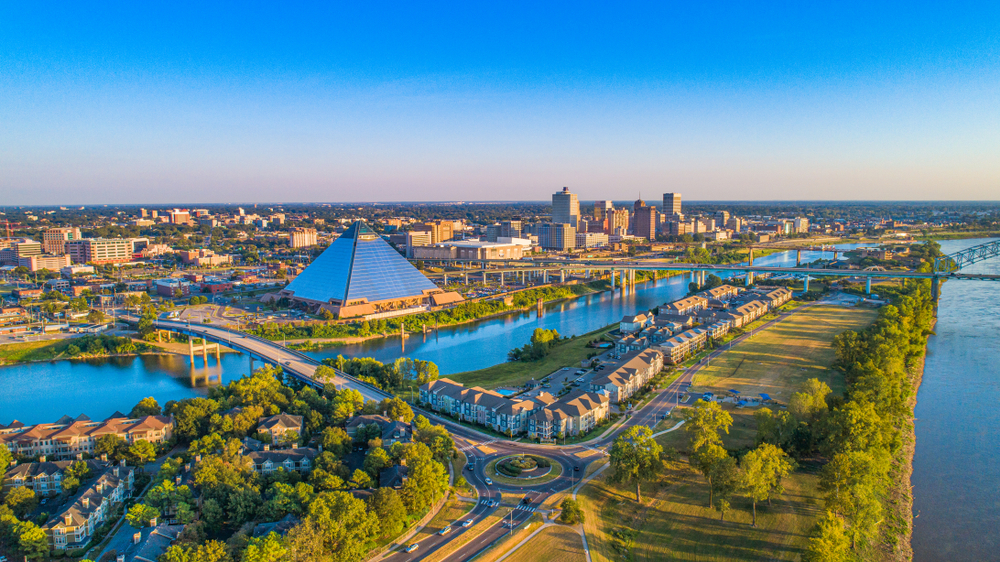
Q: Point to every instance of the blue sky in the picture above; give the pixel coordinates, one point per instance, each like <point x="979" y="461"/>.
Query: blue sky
<point x="147" y="102"/>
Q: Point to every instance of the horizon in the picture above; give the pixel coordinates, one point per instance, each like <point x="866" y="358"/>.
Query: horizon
<point x="147" y="104"/>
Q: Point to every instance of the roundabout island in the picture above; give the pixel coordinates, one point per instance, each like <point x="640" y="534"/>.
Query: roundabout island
<point x="524" y="469"/>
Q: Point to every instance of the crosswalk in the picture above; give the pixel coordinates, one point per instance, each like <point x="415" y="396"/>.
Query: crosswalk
<point x="525" y="508"/>
<point x="471" y="445"/>
<point x="596" y="450"/>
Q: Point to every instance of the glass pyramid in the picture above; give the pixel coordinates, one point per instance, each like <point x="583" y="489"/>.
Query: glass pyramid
<point x="359" y="265"/>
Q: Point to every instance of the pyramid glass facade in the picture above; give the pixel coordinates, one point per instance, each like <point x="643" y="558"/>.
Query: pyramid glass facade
<point x="359" y="265"/>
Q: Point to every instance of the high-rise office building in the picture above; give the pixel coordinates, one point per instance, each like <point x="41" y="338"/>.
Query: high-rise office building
<point x="511" y="229"/>
<point x="721" y="218"/>
<point x="601" y="209"/>
<point x="440" y="230"/>
<point x="556" y="236"/>
<point x="671" y="203"/>
<point x="302" y="237"/>
<point x="618" y="222"/>
<point x="565" y="208"/>
<point x="645" y="222"/>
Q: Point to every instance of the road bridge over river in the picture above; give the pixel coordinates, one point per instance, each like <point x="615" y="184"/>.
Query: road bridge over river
<point x="296" y="364"/>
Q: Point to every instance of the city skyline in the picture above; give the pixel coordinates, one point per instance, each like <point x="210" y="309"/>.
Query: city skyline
<point x="123" y="104"/>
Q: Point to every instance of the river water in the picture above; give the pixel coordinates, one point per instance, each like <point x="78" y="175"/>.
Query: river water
<point x="957" y="461"/>
<point x="956" y="468"/>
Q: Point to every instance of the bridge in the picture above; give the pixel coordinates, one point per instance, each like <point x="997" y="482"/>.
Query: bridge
<point x="293" y="363"/>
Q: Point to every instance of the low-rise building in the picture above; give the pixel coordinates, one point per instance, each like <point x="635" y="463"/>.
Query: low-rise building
<point x="70" y="438"/>
<point x="298" y="460"/>
<point x="637" y="370"/>
<point x="632" y="324"/>
<point x="574" y="414"/>
<point x="277" y="426"/>
<point x="44" y="477"/>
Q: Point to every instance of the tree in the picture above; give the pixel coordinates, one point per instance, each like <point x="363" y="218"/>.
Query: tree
<point x="376" y="461"/>
<point x="5" y="457"/>
<point x="360" y="480"/>
<point x="337" y="441"/>
<point x="146" y="407"/>
<point x="811" y="402"/>
<point x="828" y="542"/>
<point x="571" y="512"/>
<point x="635" y="457"/>
<point x="705" y="460"/>
<point x="347" y="526"/>
<point x="723" y="506"/>
<point x="32" y="540"/>
<point x="269" y="548"/>
<point x="111" y="445"/>
<point x="141" y="452"/>
<point x="95" y="316"/>
<point x="763" y="469"/>
<point x="396" y="409"/>
<point x="705" y="422"/>
<point x="21" y="501"/>
<point x="388" y="507"/>
<point x="774" y="428"/>
<point x="140" y="515"/>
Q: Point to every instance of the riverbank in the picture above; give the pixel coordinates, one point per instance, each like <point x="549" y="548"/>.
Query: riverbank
<point x="62" y="349"/>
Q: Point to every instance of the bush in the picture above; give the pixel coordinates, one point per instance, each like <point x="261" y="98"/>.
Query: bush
<point x="542" y="462"/>
<point x="571" y="512"/>
<point x="508" y="469"/>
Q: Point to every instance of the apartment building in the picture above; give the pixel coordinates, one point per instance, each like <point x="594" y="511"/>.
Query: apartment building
<point x="302" y="237"/>
<point x="44" y="261"/>
<point x="44" y="477"/>
<point x="54" y="239"/>
<point x="638" y="369"/>
<point x="574" y="414"/>
<point x="73" y="526"/>
<point x="721" y="293"/>
<point x="689" y="305"/>
<point x="70" y="438"/>
<point x="506" y="415"/>
<point x="591" y="239"/>
<point x="687" y="343"/>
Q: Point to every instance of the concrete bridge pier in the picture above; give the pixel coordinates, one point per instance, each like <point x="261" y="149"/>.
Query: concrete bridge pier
<point x="445" y="278"/>
<point x="501" y="279"/>
<point x="562" y="275"/>
<point x="545" y="277"/>
<point x="806" y="286"/>
<point x="466" y="278"/>
<point x="750" y="259"/>
<point x="749" y="278"/>
<point x="798" y="258"/>
<point x="868" y="285"/>
<point x="835" y="253"/>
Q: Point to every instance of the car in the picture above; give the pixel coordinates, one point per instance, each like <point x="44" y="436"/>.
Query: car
<point x="526" y="500"/>
<point x="468" y="466"/>
<point x="467" y="523"/>
<point x="445" y="530"/>
<point x="288" y="362"/>
<point x="576" y="469"/>
<point x="494" y="503"/>
<point x="412" y="547"/>
<point x="489" y="482"/>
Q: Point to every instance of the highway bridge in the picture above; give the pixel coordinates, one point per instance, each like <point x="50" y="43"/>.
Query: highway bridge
<point x="294" y="363"/>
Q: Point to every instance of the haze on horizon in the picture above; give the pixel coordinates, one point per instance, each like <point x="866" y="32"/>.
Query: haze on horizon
<point x="124" y="103"/>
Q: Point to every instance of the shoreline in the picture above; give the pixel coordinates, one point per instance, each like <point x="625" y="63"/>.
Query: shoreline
<point x="161" y="351"/>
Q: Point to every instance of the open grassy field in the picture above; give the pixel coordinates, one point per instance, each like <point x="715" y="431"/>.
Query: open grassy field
<point x="453" y="510"/>
<point x="565" y="354"/>
<point x="674" y="522"/>
<point x="553" y="544"/>
<point x="32" y="351"/>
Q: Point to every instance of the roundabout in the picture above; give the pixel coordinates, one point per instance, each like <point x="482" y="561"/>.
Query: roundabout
<point x="523" y="469"/>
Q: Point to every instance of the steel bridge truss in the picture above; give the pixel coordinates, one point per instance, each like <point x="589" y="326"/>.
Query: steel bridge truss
<point x="968" y="256"/>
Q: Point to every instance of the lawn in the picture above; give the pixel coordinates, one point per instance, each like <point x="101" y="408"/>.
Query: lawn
<point x="32" y="351"/>
<point x="674" y="522"/>
<point x="452" y="511"/>
<point x="565" y="354"/>
<point x="553" y="544"/>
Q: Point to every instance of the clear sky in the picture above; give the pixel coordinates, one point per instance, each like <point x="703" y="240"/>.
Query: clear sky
<point x="173" y="102"/>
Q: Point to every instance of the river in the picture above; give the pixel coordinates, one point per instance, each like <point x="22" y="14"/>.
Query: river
<point x="956" y="467"/>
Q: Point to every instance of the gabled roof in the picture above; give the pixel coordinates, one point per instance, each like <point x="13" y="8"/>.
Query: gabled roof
<point x="359" y="265"/>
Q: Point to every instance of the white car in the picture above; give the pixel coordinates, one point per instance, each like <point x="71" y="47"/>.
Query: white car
<point x="412" y="547"/>
<point x="489" y="482"/>
<point x="467" y="523"/>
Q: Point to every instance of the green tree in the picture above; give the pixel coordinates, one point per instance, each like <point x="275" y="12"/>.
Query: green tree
<point x="21" y="501"/>
<point x="775" y="428"/>
<point x="635" y="458"/>
<point x="389" y="509"/>
<point x="571" y="512"/>
<point x="111" y="445"/>
<point x="141" y="452"/>
<point x="828" y="542"/>
<point x="95" y="316"/>
<point x="336" y="441"/>
<point x="376" y="461"/>
<point x="348" y="528"/>
<point x="396" y="409"/>
<point x="5" y="457"/>
<point x="360" y="480"/>
<point x="269" y="548"/>
<point x="146" y="407"/>
<point x="32" y="540"/>
<point x="809" y="404"/>
<point x="140" y="515"/>
<point x="705" y="422"/>
<point x="705" y="460"/>
<point x="763" y="469"/>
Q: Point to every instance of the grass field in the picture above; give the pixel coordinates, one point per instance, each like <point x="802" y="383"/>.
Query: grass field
<point x="674" y="522"/>
<point x="463" y="539"/>
<point x="510" y="541"/>
<point x="515" y="374"/>
<point x="553" y="544"/>
<point x="32" y="351"/>
<point x="452" y="511"/>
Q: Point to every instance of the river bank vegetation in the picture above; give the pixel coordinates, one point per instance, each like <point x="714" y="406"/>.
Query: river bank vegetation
<point x="84" y="347"/>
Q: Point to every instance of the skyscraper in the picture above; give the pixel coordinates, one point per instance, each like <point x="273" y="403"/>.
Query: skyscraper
<point x="565" y="208"/>
<point x="645" y="222"/>
<point x="671" y="204"/>
<point x="601" y="209"/>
